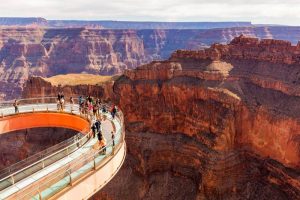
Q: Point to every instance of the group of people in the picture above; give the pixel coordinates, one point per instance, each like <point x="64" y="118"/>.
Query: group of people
<point x="97" y="130"/>
<point x="87" y="106"/>
<point x="91" y="108"/>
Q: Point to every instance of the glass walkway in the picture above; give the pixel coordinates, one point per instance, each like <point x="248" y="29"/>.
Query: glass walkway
<point x="73" y="169"/>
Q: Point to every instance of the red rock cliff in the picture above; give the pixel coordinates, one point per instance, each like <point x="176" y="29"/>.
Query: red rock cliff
<point x="223" y="123"/>
<point x="46" y="52"/>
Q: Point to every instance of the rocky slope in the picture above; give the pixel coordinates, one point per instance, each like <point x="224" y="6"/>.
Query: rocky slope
<point x="46" y="52"/>
<point x="220" y="123"/>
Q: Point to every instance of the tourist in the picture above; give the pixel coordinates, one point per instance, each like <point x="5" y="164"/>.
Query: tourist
<point x="104" y="109"/>
<point x="90" y="110"/>
<point x="81" y="104"/>
<point x="58" y="96"/>
<point x="113" y="111"/>
<point x="113" y="138"/>
<point x="71" y="103"/>
<point x="94" y="128"/>
<point x="97" y="107"/>
<point x="58" y="104"/>
<point x="62" y="95"/>
<point x="61" y="104"/>
<point x="98" y="125"/>
<point x="58" y="101"/>
<point x="16" y="106"/>
<point x="62" y="101"/>
<point x="90" y="99"/>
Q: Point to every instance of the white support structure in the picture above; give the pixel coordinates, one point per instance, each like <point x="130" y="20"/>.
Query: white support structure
<point x="96" y="180"/>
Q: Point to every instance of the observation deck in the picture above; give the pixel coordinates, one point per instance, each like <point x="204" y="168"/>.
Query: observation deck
<point x="73" y="169"/>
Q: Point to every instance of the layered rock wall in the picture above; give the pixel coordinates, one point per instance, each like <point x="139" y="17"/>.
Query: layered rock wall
<point x="25" y="52"/>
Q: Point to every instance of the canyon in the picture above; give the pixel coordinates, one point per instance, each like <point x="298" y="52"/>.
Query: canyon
<point x="27" y="51"/>
<point x="217" y="123"/>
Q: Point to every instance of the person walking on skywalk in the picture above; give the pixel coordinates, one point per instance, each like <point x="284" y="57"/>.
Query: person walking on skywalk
<point x="16" y="105"/>
<point x="98" y="125"/>
<point x="94" y="130"/>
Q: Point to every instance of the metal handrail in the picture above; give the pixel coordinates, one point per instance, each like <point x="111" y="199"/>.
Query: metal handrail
<point x="11" y="168"/>
<point x="87" y="158"/>
<point x="75" y="164"/>
<point x="43" y="157"/>
<point x="25" y="99"/>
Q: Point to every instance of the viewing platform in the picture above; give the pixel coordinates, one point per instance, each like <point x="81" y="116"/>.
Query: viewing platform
<point x="73" y="169"/>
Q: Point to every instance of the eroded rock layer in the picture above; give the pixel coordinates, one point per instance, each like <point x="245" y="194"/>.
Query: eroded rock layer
<point x="220" y="123"/>
<point x="46" y="52"/>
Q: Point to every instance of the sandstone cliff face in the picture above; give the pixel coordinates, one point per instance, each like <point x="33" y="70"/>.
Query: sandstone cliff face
<point x="39" y="87"/>
<point x="221" y="123"/>
<point x="46" y="52"/>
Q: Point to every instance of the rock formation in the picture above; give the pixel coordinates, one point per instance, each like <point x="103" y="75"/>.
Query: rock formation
<point x="46" y="52"/>
<point x="220" y="123"/>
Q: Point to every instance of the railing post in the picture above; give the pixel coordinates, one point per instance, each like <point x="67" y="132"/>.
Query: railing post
<point x="2" y="115"/>
<point x="32" y="109"/>
<point x="40" y="195"/>
<point x="69" y="173"/>
<point x="94" y="162"/>
<point x="12" y="179"/>
<point x="47" y="109"/>
<point x="43" y="164"/>
<point x="77" y="142"/>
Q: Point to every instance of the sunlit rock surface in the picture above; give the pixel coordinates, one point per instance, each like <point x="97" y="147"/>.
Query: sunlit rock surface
<point x="34" y="50"/>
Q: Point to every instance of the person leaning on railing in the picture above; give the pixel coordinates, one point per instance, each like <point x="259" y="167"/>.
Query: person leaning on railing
<point x="62" y="101"/>
<point x="71" y="103"/>
<point x="81" y="104"/>
<point x="16" y="105"/>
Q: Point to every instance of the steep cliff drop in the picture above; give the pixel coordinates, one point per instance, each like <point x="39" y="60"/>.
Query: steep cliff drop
<point x="220" y="123"/>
